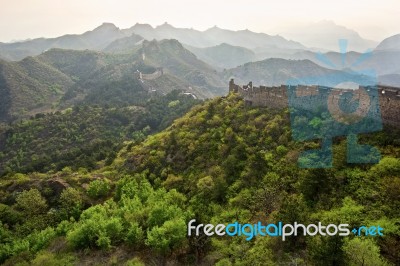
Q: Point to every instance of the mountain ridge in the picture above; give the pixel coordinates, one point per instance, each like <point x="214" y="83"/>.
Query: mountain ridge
<point x="390" y="43"/>
<point x="277" y="71"/>
<point x="325" y="35"/>
<point x="59" y="78"/>
<point x="105" y="34"/>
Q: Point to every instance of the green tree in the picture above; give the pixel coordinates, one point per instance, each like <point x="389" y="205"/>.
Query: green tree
<point x="71" y="203"/>
<point x="363" y="252"/>
<point x="98" y="188"/>
<point x="168" y="237"/>
<point x="31" y="202"/>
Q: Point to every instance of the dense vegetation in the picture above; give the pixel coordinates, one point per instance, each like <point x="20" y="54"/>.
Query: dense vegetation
<point x="85" y="134"/>
<point x="220" y="163"/>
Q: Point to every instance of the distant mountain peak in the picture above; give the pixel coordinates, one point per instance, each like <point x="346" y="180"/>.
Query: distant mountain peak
<point x="325" y="34"/>
<point x="153" y="45"/>
<point x="171" y="41"/>
<point x="106" y="26"/>
<point x="214" y="28"/>
<point x="156" y="45"/>
<point x="166" y="25"/>
<point x="142" y="25"/>
<point x="390" y="43"/>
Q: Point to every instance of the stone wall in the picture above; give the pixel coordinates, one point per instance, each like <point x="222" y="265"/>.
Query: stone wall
<point x="156" y="74"/>
<point x="276" y="97"/>
<point x="389" y="102"/>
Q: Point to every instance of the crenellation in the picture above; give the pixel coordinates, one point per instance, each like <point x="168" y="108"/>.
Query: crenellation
<point x="276" y="97"/>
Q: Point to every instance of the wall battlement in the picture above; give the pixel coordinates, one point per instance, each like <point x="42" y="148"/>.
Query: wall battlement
<point x="276" y="97"/>
<point x="156" y="74"/>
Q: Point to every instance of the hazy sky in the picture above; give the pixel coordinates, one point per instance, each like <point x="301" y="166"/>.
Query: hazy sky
<point x="22" y="19"/>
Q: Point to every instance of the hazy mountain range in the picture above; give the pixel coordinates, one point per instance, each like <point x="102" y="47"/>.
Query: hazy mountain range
<point x="325" y="35"/>
<point x="276" y="71"/>
<point x="391" y="43"/>
<point x="99" y="38"/>
<point x="213" y="36"/>
<point x="59" y="78"/>
<point x="224" y="55"/>
<point x="96" y="39"/>
<point x="222" y="48"/>
<point x="383" y="63"/>
<point x="101" y="66"/>
<point x="321" y="36"/>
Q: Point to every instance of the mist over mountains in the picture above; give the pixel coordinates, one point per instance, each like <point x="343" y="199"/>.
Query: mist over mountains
<point x="384" y="60"/>
<point x="102" y="36"/>
<point x="392" y="43"/>
<point x="103" y="65"/>
<point x="60" y="78"/>
<point x="116" y="142"/>
<point x="276" y="71"/>
<point x="322" y="36"/>
<point x="218" y="47"/>
<point x="216" y="36"/>
<point x="224" y="55"/>
<point x="96" y="39"/>
<point x="325" y="35"/>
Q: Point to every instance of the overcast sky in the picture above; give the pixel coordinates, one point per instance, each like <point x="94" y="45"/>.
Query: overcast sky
<point x="22" y="19"/>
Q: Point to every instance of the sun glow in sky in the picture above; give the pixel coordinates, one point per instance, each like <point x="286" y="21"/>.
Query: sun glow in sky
<point x="22" y="19"/>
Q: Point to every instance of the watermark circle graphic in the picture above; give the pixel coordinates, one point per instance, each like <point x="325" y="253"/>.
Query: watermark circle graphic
<point x="337" y="113"/>
<point x="339" y="103"/>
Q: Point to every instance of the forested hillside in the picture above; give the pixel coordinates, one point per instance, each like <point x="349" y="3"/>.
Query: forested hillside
<point x="221" y="162"/>
<point x="84" y="135"/>
<point x="58" y="78"/>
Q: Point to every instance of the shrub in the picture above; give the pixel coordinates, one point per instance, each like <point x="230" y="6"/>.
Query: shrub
<point x="224" y="262"/>
<point x="103" y="241"/>
<point x="134" y="262"/>
<point x="98" y="188"/>
<point x="8" y="215"/>
<point x="31" y="244"/>
<point x="135" y="234"/>
<point x="46" y="258"/>
<point x="31" y="202"/>
<point x="84" y="234"/>
<point x="41" y="239"/>
<point x="171" y="235"/>
<point x="363" y="252"/>
<point x="95" y="229"/>
<point x="64" y="227"/>
<point x="70" y="203"/>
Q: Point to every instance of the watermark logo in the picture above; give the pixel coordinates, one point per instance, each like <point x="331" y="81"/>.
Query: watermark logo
<point x="249" y="231"/>
<point x="347" y="105"/>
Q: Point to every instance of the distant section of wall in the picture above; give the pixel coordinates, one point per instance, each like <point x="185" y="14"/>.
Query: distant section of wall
<point x="156" y="74"/>
<point x="276" y="97"/>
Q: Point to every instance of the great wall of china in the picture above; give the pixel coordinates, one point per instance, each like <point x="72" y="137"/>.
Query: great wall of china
<point x="156" y="74"/>
<point x="277" y="97"/>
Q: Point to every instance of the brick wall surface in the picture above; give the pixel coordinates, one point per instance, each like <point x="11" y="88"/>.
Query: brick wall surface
<point x="276" y="97"/>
